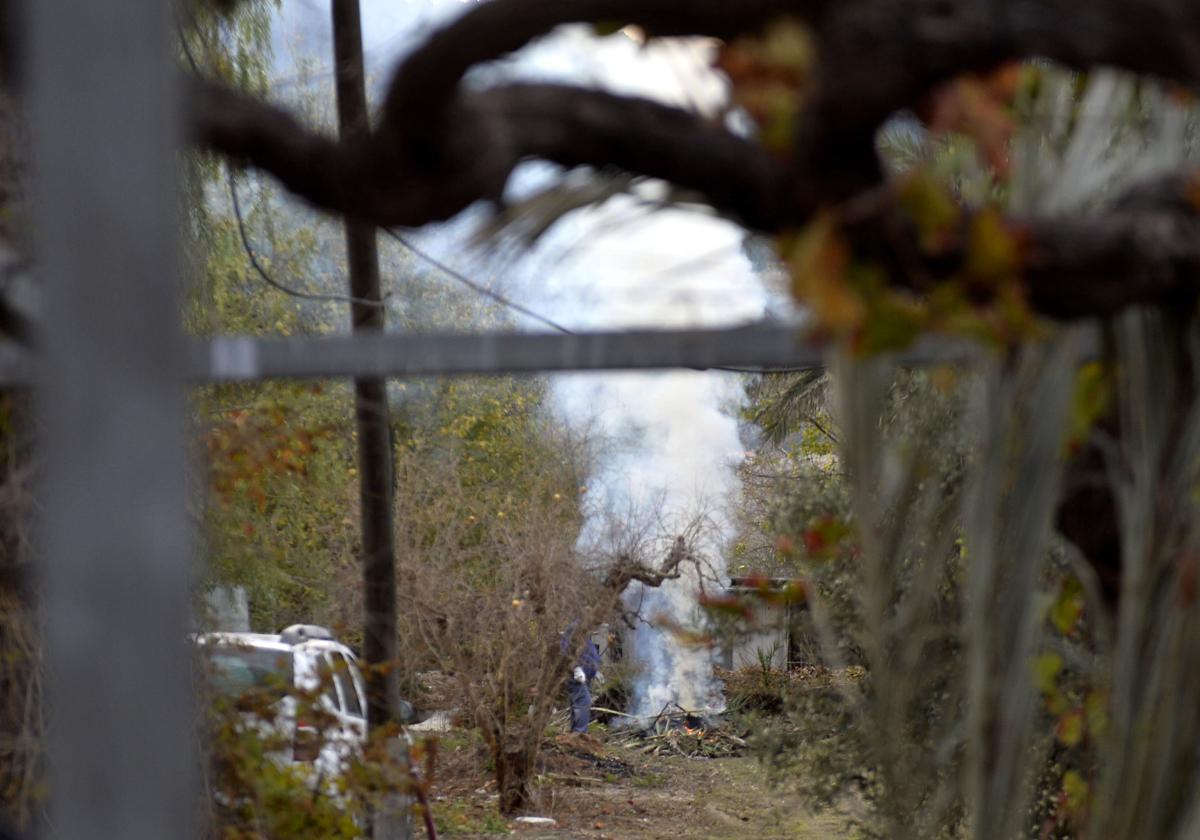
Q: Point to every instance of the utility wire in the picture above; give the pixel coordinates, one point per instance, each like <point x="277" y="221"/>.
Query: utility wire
<point x="524" y="310"/>
<point x="409" y="246"/>
<point x="477" y="287"/>
<point x="241" y="222"/>
<point x="262" y="272"/>
<point x="440" y="266"/>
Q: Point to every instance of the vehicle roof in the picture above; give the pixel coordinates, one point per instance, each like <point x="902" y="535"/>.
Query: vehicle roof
<point x="268" y="641"/>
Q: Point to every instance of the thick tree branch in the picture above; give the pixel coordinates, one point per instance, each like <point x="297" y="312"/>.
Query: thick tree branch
<point x="251" y="131"/>
<point x="437" y="150"/>
<point x="878" y="57"/>
<point x="440" y="147"/>
<point x="429" y="78"/>
<point x="1094" y="267"/>
<point x="359" y="178"/>
<point x="493" y="132"/>
<point x="1145" y="249"/>
<point x="627" y="570"/>
<point x="576" y="127"/>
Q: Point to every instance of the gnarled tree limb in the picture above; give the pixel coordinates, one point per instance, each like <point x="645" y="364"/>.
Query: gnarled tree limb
<point x="493" y="133"/>
<point x="626" y="570"/>
<point x="1144" y="250"/>
<point x="438" y="146"/>
<point x="427" y="80"/>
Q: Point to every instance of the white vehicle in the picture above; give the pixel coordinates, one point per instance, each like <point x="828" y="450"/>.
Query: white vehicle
<point x="311" y="681"/>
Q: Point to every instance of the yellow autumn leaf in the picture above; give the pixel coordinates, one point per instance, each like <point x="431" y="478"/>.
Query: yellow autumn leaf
<point x="1067" y="608"/>
<point x="776" y="108"/>
<point x="931" y="208"/>
<point x="978" y="107"/>
<point x="768" y="76"/>
<point x="819" y="262"/>
<point x="1090" y="401"/>
<point x="1045" y="671"/>
<point x="1069" y="729"/>
<point x="1095" y="711"/>
<point x="788" y="44"/>
<point x="893" y="322"/>
<point x="1076" y="790"/>
<point x="992" y="251"/>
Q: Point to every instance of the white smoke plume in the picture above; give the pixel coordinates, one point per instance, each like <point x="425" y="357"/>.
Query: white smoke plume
<point x="617" y="267"/>
<point x="679" y="437"/>
<point x="620" y="267"/>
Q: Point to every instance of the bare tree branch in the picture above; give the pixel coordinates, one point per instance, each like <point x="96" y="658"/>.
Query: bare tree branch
<point x="627" y="569"/>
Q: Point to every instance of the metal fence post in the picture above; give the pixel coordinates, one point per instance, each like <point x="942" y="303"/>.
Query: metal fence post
<point x="114" y="534"/>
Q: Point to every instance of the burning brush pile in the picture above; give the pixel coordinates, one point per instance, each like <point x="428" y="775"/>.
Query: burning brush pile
<point x="677" y="731"/>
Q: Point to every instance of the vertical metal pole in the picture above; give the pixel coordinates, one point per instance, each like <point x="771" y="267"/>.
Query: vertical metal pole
<point x="114" y="565"/>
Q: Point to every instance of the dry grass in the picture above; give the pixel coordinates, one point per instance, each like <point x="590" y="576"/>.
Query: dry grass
<point x="593" y="786"/>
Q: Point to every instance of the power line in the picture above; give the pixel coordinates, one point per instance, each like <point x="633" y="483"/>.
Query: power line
<point x="432" y="260"/>
<point x="262" y="272"/>
<point x="445" y="269"/>
<point x="504" y="301"/>
<point x="476" y="286"/>
<point x="422" y="254"/>
<point x="241" y="222"/>
<point x="233" y="194"/>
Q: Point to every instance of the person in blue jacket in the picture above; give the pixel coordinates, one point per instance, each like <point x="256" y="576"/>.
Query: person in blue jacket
<point x="579" y="687"/>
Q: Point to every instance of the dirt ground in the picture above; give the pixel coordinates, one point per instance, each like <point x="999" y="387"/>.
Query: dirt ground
<point x="600" y="787"/>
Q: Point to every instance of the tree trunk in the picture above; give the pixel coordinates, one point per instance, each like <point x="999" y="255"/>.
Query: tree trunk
<point x="514" y="772"/>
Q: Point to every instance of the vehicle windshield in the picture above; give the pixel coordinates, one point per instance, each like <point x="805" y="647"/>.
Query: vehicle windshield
<point x="235" y="671"/>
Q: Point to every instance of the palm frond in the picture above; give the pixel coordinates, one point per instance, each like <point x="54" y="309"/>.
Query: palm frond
<point x="782" y="403"/>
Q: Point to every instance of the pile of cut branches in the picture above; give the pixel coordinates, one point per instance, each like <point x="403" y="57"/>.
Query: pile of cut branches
<point x="677" y="731"/>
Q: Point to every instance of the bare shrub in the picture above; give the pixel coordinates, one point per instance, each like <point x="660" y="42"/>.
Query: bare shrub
<point x="494" y="593"/>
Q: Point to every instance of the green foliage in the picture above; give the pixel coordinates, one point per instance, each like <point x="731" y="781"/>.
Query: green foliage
<point x="233" y="44"/>
<point x="280" y="515"/>
<point x="780" y="405"/>
<point x="235" y="47"/>
<point x="489" y="494"/>
<point x="228" y="296"/>
<point x="822" y="744"/>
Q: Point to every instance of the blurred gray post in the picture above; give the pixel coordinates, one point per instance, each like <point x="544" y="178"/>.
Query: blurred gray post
<point x="115" y="548"/>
